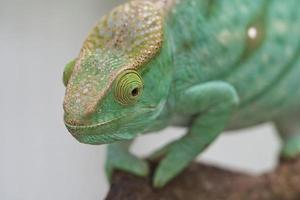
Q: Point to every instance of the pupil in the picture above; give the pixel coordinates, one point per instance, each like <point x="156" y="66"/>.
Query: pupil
<point x="135" y="92"/>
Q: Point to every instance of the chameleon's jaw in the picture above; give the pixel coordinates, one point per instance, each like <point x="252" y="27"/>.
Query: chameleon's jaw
<point x="99" y="133"/>
<point x="103" y="132"/>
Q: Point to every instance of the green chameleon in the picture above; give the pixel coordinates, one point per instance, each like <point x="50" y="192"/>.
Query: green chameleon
<point x="205" y="64"/>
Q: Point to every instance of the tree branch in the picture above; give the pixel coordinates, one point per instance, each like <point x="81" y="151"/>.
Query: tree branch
<point x="202" y="182"/>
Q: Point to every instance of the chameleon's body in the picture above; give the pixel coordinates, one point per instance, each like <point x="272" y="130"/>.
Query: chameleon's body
<point x="208" y="65"/>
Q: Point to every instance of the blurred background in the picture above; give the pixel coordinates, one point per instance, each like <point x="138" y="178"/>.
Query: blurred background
<point x="39" y="159"/>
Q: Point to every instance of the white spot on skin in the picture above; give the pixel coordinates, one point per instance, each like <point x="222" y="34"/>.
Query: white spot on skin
<point x="244" y="9"/>
<point x="288" y="51"/>
<point x="224" y="37"/>
<point x="265" y="58"/>
<point x="280" y="26"/>
<point x="85" y="90"/>
<point x="126" y="8"/>
<point x="252" y="32"/>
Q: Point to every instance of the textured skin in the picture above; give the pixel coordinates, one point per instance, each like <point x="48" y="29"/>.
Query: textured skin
<point x="207" y="65"/>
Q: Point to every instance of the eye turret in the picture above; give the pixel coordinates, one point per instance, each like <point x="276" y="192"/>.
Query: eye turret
<point x="128" y="87"/>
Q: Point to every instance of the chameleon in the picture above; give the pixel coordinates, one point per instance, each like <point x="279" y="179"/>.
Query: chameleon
<point x="207" y="65"/>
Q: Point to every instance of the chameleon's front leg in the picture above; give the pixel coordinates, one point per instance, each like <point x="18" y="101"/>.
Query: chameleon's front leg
<point x="119" y="157"/>
<point x="212" y="103"/>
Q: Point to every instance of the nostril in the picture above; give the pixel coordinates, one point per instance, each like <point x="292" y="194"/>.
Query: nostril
<point x="73" y="121"/>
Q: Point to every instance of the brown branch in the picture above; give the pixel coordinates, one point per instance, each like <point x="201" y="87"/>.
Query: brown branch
<point x="202" y="182"/>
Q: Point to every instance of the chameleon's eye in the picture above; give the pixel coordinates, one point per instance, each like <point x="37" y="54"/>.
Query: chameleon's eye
<point x="129" y="87"/>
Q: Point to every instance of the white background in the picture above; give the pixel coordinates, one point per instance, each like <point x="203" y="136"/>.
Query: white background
<point x="38" y="158"/>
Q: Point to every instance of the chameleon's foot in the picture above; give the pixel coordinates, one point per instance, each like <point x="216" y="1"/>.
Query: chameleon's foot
<point x="168" y="167"/>
<point x="174" y="158"/>
<point x="129" y="164"/>
<point x="291" y="148"/>
<point x="119" y="159"/>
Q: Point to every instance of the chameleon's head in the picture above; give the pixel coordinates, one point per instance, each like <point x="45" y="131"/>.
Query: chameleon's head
<point x="115" y="88"/>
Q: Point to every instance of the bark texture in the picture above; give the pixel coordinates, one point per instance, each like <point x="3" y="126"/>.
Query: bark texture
<point x="202" y="182"/>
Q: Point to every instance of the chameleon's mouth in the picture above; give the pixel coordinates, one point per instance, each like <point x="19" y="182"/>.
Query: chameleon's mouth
<point x="90" y="126"/>
<point x="97" y="133"/>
